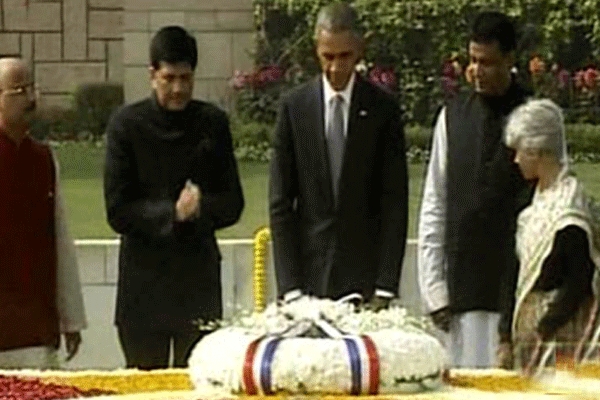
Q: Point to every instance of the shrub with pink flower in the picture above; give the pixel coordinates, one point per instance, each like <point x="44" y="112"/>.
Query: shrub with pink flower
<point x="578" y="80"/>
<point x="239" y="80"/>
<point x="257" y="79"/>
<point x="257" y="92"/>
<point x="268" y="74"/>
<point x="587" y="79"/>
<point x="590" y="78"/>
<point x="451" y="74"/>
<point x="384" y="77"/>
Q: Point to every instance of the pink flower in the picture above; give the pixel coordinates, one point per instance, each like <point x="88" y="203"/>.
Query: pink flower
<point x="590" y="78"/>
<point x="257" y="78"/>
<point x="384" y="77"/>
<point x="268" y="74"/>
<point x="239" y="80"/>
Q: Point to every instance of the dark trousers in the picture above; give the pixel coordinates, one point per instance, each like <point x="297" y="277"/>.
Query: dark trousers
<point x="148" y="350"/>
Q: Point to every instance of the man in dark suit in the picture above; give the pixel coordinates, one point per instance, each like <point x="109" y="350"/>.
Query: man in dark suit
<point x="339" y="187"/>
<point x="170" y="182"/>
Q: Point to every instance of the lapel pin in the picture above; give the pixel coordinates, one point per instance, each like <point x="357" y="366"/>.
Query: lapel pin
<point x="362" y="113"/>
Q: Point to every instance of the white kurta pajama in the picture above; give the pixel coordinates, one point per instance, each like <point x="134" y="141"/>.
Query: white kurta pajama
<point x="69" y="297"/>
<point x="473" y="336"/>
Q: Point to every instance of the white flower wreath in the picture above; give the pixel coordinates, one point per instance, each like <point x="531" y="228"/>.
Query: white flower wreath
<point x="315" y="346"/>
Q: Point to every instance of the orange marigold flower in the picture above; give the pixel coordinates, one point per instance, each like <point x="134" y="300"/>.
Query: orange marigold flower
<point x="537" y="65"/>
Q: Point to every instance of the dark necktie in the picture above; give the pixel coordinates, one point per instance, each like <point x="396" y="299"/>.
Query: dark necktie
<point x="336" y="142"/>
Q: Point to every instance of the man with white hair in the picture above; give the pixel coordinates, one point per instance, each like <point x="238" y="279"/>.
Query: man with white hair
<point x="40" y="292"/>
<point x="552" y="288"/>
<point x="472" y="195"/>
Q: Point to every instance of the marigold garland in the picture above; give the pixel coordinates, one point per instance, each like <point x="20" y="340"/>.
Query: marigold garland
<point x="587" y="370"/>
<point x="492" y="383"/>
<point x="127" y="383"/>
<point x="158" y="381"/>
<point x="262" y="236"/>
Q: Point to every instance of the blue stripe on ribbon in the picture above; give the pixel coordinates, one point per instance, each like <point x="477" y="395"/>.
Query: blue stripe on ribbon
<point x="355" y="365"/>
<point x="265" y="365"/>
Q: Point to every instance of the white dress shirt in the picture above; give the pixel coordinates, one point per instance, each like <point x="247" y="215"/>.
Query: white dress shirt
<point x="432" y="264"/>
<point x="69" y="296"/>
<point x="328" y="95"/>
<point x="473" y="337"/>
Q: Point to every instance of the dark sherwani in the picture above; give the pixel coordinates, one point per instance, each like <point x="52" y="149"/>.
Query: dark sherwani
<point x="169" y="272"/>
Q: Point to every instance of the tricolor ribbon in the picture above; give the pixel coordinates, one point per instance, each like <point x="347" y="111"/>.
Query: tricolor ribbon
<point x="364" y="364"/>
<point x="257" y="365"/>
<point x="362" y="353"/>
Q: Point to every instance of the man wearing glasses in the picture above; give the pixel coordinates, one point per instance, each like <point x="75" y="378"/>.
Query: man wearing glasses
<point x="40" y="291"/>
<point x="170" y="181"/>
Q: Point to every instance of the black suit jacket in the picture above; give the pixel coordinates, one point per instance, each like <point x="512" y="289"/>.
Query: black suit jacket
<point x="358" y="246"/>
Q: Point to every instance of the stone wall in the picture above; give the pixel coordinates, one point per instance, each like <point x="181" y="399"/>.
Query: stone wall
<point x="223" y="29"/>
<point x="70" y="42"/>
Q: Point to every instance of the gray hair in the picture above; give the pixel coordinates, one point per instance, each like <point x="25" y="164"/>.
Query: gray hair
<point x="538" y="125"/>
<point x="338" y="17"/>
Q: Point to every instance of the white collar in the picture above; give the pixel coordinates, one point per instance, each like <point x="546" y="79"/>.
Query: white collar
<point x="329" y="93"/>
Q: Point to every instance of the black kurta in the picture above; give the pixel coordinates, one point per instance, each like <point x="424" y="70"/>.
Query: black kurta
<point x="569" y="269"/>
<point x="169" y="272"/>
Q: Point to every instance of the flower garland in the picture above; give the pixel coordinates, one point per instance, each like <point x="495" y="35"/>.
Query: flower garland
<point x="320" y="346"/>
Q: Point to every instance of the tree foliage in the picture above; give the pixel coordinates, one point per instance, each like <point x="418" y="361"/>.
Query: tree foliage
<point x="413" y="38"/>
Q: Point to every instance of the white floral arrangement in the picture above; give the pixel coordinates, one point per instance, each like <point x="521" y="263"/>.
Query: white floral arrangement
<point x="317" y="346"/>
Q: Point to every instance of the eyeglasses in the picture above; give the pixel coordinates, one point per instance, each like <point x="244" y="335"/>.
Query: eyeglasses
<point x="26" y="88"/>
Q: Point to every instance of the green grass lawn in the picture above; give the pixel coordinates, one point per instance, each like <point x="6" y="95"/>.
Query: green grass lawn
<point x="81" y="174"/>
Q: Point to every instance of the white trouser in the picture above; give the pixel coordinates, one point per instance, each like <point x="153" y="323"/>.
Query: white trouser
<point x="473" y="339"/>
<point x="30" y="358"/>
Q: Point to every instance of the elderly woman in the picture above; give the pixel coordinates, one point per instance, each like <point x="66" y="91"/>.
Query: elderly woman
<point x="552" y="290"/>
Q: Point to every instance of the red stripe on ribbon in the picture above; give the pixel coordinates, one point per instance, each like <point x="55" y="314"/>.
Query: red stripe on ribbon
<point x="248" y="372"/>
<point x="373" y="364"/>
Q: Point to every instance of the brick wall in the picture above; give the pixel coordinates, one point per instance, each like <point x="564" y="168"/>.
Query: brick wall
<point x="70" y="42"/>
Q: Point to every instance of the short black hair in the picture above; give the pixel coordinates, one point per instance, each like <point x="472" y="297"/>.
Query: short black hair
<point x="338" y="17"/>
<point x="173" y="45"/>
<point x="494" y="26"/>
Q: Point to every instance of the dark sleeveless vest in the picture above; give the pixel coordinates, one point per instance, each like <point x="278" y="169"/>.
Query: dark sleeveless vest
<point x="28" y="259"/>
<point x="485" y="192"/>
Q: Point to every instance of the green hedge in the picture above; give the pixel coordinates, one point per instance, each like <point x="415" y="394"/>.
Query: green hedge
<point x="252" y="141"/>
<point x="92" y="105"/>
<point x="581" y="138"/>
